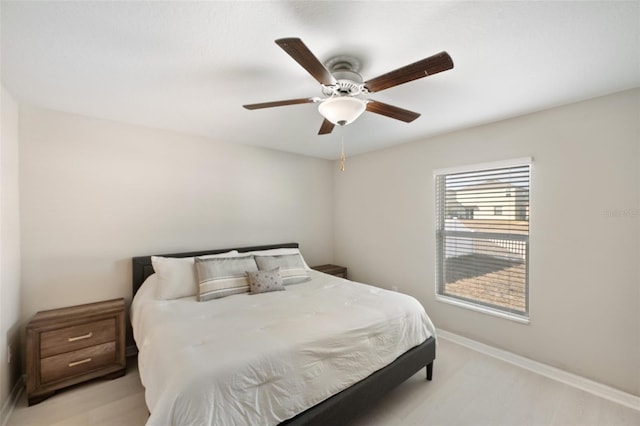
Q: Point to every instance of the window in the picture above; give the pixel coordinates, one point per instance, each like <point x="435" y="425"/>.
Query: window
<point x="483" y="258"/>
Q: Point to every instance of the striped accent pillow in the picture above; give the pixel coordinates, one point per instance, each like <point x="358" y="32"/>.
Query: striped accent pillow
<point x="292" y="268"/>
<point x="177" y="276"/>
<point x="223" y="276"/>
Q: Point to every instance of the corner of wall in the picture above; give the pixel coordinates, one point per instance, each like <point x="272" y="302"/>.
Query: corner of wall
<point x="10" y="304"/>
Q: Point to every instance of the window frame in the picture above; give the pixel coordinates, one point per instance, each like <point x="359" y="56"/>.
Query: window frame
<point x="470" y="304"/>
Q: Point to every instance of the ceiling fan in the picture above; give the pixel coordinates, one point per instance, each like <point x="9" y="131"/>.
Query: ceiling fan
<point x="344" y="88"/>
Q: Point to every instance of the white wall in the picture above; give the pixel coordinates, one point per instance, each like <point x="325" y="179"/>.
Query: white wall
<point x="9" y="248"/>
<point x="95" y="193"/>
<point x="585" y="232"/>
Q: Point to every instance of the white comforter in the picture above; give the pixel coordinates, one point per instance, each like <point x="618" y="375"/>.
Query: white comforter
<point x="261" y="359"/>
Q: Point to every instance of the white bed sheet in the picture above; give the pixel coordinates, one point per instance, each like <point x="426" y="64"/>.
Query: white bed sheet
<point x="261" y="359"/>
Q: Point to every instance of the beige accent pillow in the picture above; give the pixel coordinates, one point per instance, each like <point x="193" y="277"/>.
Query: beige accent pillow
<point x="292" y="268"/>
<point x="176" y="275"/>
<point x="220" y="277"/>
<point x="280" y="252"/>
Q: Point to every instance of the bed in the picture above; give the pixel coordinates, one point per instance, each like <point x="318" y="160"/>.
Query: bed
<point x="184" y="344"/>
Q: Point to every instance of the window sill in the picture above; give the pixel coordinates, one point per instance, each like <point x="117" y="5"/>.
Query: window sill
<point x="483" y="309"/>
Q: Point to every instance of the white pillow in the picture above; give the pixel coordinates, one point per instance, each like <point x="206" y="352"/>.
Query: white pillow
<point x="176" y="275"/>
<point x="280" y="252"/>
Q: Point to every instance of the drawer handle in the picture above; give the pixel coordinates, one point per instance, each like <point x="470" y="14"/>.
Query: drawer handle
<point x="84" y="336"/>
<point x="82" y="361"/>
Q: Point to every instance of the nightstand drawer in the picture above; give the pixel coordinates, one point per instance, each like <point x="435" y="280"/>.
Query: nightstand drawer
<point x="77" y="337"/>
<point x="77" y="362"/>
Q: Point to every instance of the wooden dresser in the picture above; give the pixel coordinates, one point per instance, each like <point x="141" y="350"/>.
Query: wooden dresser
<point x="71" y="345"/>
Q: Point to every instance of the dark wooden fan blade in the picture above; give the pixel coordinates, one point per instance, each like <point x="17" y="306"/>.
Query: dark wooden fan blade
<point x="392" y="111"/>
<point x="326" y="128"/>
<point x="302" y="55"/>
<point x="280" y="103"/>
<point x="428" y="66"/>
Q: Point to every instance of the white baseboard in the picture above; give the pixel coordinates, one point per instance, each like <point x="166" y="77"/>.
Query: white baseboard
<point x="595" y="388"/>
<point x="12" y="400"/>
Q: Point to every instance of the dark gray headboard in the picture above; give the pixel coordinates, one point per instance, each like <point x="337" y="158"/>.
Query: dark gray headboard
<point x="142" y="267"/>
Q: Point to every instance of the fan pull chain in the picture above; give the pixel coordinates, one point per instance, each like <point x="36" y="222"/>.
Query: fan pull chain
<point x="342" y="157"/>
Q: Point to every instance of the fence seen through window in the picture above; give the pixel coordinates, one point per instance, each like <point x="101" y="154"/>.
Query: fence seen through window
<point x="483" y="237"/>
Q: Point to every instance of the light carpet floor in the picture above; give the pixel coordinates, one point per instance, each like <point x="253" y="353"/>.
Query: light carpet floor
<point x="468" y="388"/>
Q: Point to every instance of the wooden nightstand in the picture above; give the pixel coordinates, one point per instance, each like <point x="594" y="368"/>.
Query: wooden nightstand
<point x="338" y="271"/>
<point x="72" y="345"/>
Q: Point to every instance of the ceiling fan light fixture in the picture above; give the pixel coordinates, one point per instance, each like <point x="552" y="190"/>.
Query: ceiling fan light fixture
<point x="342" y="110"/>
<point x="342" y="84"/>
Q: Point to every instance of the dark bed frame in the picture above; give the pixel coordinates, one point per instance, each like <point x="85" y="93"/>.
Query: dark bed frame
<point x="344" y="406"/>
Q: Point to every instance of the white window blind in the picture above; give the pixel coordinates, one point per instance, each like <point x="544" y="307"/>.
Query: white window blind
<point x="482" y="235"/>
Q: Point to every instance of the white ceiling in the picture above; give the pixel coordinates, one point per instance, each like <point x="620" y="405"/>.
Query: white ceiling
<point x="190" y="66"/>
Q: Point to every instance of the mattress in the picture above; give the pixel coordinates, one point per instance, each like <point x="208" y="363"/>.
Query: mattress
<point x="261" y="359"/>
